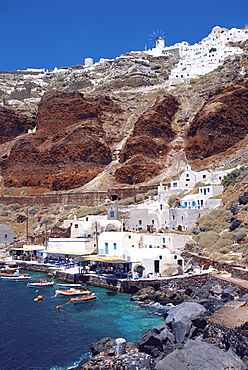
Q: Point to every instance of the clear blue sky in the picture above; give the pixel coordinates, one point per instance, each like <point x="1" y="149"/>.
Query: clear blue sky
<point x="59" y="33"/>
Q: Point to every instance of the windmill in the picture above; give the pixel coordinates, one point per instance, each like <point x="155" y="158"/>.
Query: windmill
<point x="157" y="39"/>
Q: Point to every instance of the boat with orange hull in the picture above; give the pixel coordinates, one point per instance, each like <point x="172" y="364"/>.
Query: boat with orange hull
<point x="86" y="298"/>
<point x="72" y="291"/>
<point x="40" y="284"/>
<point x="16" y="278"/>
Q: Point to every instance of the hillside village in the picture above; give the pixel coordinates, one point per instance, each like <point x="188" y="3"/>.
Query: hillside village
<point x="170" y="121"/>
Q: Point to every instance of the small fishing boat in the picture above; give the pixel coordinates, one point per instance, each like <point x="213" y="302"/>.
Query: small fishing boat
<point x="72" y="291"/>
<point x="40" y="284"/>
<point x="15" y="274"/>
<point x="83" y="299"/>
<point x="16" y="278"/>
<point x="69" y="285"/>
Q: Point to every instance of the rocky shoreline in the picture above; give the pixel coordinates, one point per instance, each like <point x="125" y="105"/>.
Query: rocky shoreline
<point x="205" y="327"/>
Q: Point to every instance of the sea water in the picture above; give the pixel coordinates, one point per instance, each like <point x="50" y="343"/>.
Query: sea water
<point x="37" y="336"/>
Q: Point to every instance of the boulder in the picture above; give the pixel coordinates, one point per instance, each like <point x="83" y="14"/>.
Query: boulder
<point x="102" y="345"/>
<point x="150" y="342"/>
<point x="200" y="355"/>
<point x="191" y="310"/>
<point x="144" y="294"/>
<point x="234" y="225"/>
<point x="182" y="329"/>
<point x="243" y="199"/>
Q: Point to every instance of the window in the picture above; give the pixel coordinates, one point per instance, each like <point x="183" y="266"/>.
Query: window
<point x="112" y="214"/>
<point x="160" y="257"/>
<point x="175" y="257"/>
<point x="161" y="207"/>
<point x="106" y="248"/>
<point x="187" y="174"/>
<point x="129" y="236"/>
<point x="153" y="222"/>
<point x="140" y="222"/>
<point x="174" y="184"/>
<point x="87" y="219"/>
<point x="76" y="226"/>
<point x="203" y="176"/>
<point x="115" y="246"/>
<point x="5" y="235"/>
<point x="208" y="190"/>
<point x="163" y="240"/>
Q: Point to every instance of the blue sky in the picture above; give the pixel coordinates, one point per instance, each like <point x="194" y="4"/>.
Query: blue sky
<point x="59" y="33"/>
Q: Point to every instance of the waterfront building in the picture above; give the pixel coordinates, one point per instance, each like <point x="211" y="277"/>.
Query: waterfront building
<point x="6" y="234"/>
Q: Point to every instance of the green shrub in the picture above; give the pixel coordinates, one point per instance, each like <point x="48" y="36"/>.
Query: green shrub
<point x="208" y="239"/>
<point x="217" y="220"/>
<point x="231" y="178"/>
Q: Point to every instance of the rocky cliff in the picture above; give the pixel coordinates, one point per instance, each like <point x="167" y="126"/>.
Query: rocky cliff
<point x="121" y="122"/>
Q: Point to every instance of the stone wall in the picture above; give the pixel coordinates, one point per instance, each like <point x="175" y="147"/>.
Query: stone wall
<point x="88" y="199"/>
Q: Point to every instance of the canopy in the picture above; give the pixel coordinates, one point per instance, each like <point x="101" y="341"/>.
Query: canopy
<point x="67" y="252"/>
<point x="109" y="259"/>
<point x="28" y="249"/>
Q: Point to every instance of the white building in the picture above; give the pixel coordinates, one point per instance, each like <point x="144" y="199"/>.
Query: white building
<point x="205" y="56"/>
<point x="91" y="225"/>
<point x="204" y="193"/>
<point x="149" y="252"/>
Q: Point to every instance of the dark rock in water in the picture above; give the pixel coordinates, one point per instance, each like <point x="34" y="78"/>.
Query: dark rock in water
<point x="150" y="342"/>
<point x="191" y="310"/>
<point x="111" y="293"/>
<point x="199" y="355"/>
<point x="144" y="294"/>
<point x="102" y="345"/>
<point x="243" y="199"/>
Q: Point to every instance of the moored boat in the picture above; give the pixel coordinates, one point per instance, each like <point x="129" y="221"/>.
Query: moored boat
<point x="16" y="278"/>
<point x="73" y="291"/>
<point x="15" y="274"/>
<point x="69" y="285"/>
<point x="40" y="284"/>
<point x="86" y="298"/>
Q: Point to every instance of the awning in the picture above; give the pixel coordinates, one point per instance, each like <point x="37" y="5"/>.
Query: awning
<point x="66" y="252"/>
<point x="28" y="249"/>
<point x="108" y="259"/>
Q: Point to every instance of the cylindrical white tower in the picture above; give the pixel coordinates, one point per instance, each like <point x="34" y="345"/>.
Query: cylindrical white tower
<point x="88" y="62"/>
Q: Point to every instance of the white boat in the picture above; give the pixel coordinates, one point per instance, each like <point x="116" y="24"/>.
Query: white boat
<point x="69" y="285"/>
<point x="40" y="284"/>
<point x="72" y="291"/>
<point x="16" y="278"/>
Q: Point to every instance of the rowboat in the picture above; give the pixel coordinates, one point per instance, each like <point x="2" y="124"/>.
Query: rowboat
<point x="40" y="284"/>
<point x="83" y="299"/>
<point x="72" y="291"/>
<point x="16" y="278"/>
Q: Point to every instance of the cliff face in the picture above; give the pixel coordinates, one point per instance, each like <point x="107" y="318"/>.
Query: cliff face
<point x="149" y="142"/>
<point x="145" y="130"/>
<point x="220" y="123"/>
<point x="13" y="124"/>
<point x="69" y="147"/>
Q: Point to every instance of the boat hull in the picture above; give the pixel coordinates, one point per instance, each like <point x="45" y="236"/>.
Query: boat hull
<point x="40" y="285"/>
<point x="15" y="278"/>
<point x="72" y="292"/>
<point x="84" y="299"/>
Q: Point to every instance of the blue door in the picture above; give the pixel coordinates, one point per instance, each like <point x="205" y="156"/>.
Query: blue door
<point x="106" y="248"/>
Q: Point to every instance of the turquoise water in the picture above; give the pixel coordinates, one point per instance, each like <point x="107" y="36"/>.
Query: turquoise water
<point x="37" y="336"/>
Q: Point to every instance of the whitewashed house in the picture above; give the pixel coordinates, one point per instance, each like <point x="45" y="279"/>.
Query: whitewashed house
<point x="146" y="254"/>
<point x="200" y="200"/>
<point x="6" y="234"/>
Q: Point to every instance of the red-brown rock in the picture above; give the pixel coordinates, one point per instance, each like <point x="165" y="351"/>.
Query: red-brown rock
<point x="220" y="123"/>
